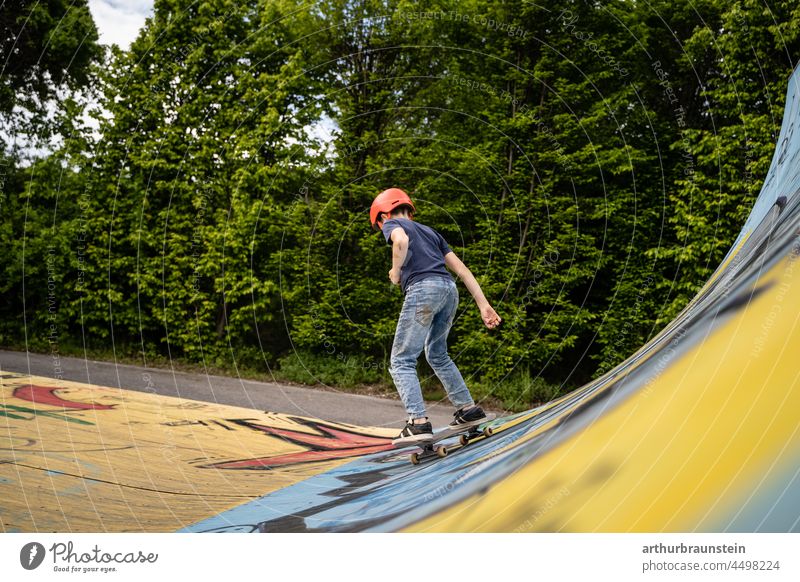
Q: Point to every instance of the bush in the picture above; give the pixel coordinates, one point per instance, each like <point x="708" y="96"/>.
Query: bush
<point x="518" y="392"/>
<point x="330" y="369"/>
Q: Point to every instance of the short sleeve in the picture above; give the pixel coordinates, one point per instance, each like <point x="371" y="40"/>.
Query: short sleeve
<point x="443" y="246"/>
<point x="387" y="229"/>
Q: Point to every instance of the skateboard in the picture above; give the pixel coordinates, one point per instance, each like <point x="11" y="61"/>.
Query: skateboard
<point x="431" y="447"/>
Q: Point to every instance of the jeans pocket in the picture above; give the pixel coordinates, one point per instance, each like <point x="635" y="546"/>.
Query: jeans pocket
<point x="425" y="305"/>
<point x="423" y="313"/>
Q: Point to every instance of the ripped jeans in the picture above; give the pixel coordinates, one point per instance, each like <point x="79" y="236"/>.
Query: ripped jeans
<point x="425" y="320"/>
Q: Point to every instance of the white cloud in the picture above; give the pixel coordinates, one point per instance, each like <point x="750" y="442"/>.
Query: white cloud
<point x="119" y="21"/>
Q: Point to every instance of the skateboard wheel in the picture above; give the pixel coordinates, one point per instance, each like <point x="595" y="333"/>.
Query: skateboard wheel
<point x="488" y="431"/>
<point x="414" y="458"/>
<point x="464" y="440"/>
<point x="442" y="452"/>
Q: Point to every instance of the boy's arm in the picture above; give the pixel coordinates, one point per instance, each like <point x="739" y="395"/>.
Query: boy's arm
<point x="488" y="314"/>
<point x="399" y="251"/>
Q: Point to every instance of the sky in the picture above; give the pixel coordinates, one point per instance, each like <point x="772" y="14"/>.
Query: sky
<point x="119" y="21"/>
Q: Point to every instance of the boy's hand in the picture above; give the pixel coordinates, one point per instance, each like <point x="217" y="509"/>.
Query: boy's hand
<point x="490" y="317"/>
<point x="394" y="276"/>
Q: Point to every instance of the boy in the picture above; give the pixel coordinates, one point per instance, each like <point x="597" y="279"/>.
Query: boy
<point x="419" y="258"/>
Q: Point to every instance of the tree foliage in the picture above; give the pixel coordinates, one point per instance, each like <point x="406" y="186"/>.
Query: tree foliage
<point x="47" y="48"/>
<point x="591" y="162"/>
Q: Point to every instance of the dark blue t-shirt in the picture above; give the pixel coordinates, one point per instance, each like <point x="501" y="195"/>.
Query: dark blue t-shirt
<point x="426" y="251"/>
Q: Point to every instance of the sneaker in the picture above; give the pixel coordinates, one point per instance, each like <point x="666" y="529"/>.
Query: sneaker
<point x="468" y="416"/>
<point x="414" y="433"/>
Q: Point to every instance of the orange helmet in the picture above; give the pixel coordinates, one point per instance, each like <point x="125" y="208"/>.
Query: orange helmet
<point x="387" y="201"/>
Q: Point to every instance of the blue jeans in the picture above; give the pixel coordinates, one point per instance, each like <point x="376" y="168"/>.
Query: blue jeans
<point x="424" y="323"/>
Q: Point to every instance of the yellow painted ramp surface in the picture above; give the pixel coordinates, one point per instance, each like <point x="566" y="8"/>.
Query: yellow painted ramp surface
<point x="682" y="453"/>
<point x="84" y="458"/>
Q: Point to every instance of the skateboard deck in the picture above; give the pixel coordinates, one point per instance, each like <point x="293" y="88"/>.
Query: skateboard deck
<point x="431" y="447"/>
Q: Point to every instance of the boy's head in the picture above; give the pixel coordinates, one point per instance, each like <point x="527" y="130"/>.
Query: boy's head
<point x="392" y="202"/>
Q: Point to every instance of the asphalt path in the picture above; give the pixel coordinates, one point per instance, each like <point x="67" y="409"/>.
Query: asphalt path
<point x="319" y="403"/>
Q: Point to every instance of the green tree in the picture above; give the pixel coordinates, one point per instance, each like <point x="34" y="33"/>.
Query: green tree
<point x="47" y="47"/>
<point x="740" y="59"/>
<point x="591" y="163"/>
<point x="196" y="153"/>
